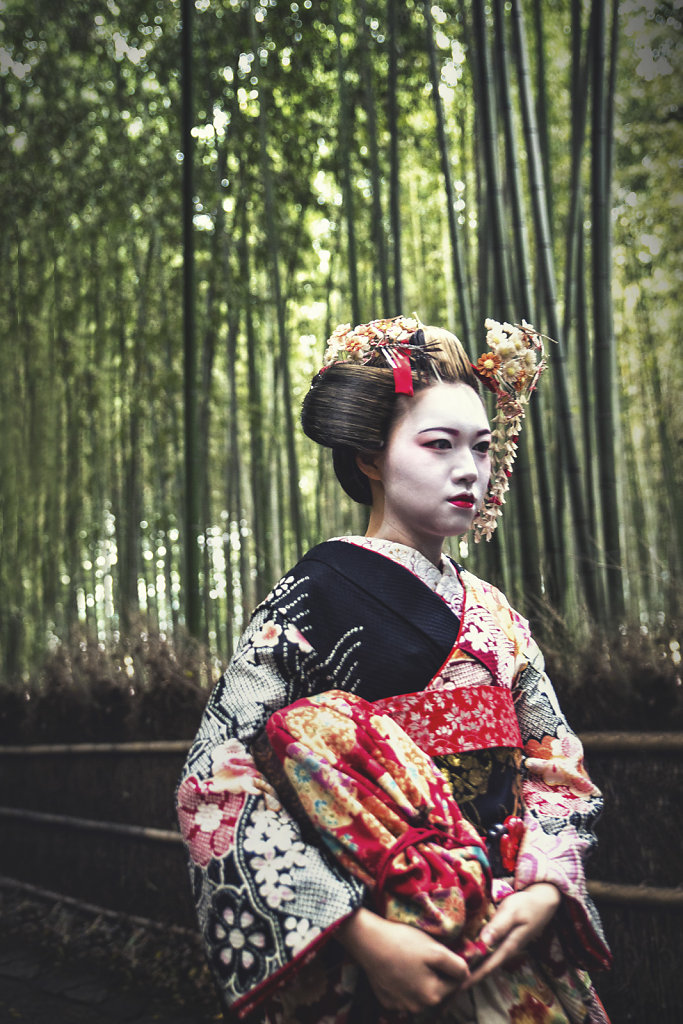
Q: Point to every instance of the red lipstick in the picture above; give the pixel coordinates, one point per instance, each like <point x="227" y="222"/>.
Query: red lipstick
<point x="462" y="501"/>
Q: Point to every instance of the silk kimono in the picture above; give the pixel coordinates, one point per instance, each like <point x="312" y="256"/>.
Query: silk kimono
<point x="442" y="655"/>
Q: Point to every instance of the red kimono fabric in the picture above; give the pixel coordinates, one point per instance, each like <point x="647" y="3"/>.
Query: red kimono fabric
<point x="385" y="811"/>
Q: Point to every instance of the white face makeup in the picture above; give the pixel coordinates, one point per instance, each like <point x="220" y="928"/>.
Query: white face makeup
<point x="435" y="468"/>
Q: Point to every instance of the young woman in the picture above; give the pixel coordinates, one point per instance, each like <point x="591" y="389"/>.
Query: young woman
<point x="385" y="810"/>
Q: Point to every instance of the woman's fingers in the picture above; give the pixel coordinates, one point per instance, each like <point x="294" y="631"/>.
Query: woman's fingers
<point x="511" y="946"/>
<point x="448" y="962"/>
<point x="410" y="971"/>
<point x="407" y="969"/>
<point x="516" y="922"/>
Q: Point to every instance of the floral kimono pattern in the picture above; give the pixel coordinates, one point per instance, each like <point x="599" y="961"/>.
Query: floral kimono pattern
<point x="386" y="813"/>
<point x="377" y="620"/>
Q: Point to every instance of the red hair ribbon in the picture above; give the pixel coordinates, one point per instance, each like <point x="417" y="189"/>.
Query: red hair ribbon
<point x="403" y="375"/>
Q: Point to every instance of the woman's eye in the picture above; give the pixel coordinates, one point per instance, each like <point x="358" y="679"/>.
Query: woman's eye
<point x="483" y="447"/>
<point x="440" y="443"/>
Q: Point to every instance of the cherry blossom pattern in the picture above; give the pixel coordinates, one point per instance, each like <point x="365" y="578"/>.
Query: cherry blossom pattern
<point x="281" y="588"/>
<point x="467" y="718"/>
<point x="300" y="933"/>
<point x="558" y="761"/>
<point x="492" y="632"/>
<point x="274" y="852"/>
<point x="481" y="637"/>
<point x="552" y="858"/>
<point x="295" y="636"/>
<point x="554" y="802"/>
<point x="267" y="636"/>
<point x="208" y="810"/>
<point x="270" y="634"/>
<point x="238" y="940"/>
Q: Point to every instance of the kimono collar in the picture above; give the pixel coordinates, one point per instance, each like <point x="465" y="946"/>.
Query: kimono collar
<point x="445" y="581"/>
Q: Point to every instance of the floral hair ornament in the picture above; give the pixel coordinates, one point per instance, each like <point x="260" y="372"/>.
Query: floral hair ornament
<point x="399" y="340"/>
<point x="510" y="369"/>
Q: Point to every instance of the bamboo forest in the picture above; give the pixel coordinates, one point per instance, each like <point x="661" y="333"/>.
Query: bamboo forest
<point x="195" y="194"/>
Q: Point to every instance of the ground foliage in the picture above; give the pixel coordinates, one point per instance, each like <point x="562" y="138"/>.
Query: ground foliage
<point x="164" y="966"/>
<point x="170" y="967"/>
<point x="628" y="679"/>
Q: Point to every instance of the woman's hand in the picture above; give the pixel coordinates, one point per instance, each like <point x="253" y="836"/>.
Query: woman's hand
<point x="407" y="969"/>
<point x="520" y="918"/>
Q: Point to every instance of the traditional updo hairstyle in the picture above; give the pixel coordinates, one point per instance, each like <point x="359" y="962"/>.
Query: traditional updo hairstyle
<point x="351" y="406"/>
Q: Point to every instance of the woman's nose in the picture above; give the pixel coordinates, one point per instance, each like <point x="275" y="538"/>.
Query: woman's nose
<point x="465" y="469"/>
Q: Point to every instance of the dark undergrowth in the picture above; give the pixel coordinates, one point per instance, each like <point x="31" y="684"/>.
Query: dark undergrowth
<point x="629" y="679"/>
<point x="168" y="965"/>
<point x="141" y="688"/>
<point x="645" y="984"/>
<point x="146" y="687"/>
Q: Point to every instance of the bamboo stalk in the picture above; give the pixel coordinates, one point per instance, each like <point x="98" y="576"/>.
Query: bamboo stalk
<point x="522" y="296"/>
<point x="344" y="144"/>
<point x="394" y="170"/>
<point x="256" y="418"/>
<point x="539" y="203"/>
<point x="376" y="214"/>
<point x="504" y="296"/>
<point x="459" y="272"/>
<point x="272" y="234"/>
<point x="606" y="411"/>
<point x="191" y="454"/>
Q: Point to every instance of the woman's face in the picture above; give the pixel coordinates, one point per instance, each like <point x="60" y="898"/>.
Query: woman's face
<point x="435" y="468"/>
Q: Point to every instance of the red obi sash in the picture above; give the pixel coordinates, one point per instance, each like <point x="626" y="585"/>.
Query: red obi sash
<point x="384" y="811"/>
<point x="449" y="721"/>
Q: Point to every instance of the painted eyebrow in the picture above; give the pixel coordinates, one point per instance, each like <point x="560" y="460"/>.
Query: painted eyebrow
<point x="455" y="433"/>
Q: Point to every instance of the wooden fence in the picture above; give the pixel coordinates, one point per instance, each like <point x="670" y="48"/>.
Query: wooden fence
<point x="94" y="824"/>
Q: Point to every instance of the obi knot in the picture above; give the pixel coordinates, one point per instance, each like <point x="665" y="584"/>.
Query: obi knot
<point x="411" y="837"/>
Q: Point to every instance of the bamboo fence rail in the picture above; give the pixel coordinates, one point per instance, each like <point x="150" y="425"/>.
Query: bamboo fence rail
<point x="592" y="741"/>
<point x="154" y="835"/>
<point x="96" y="910"/>
<point x="608" y="892"/>
<point x="605" y="892"/>
<point x="141" y="747"/>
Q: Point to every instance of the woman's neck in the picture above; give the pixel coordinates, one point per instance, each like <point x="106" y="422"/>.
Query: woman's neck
<point x="432" y="552"/>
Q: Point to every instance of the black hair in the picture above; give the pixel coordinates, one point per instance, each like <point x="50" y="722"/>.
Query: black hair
<point x="351" y="406"/>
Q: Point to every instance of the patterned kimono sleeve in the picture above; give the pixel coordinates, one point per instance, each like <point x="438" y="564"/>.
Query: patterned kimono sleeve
<point x="266" y="900"/>
<point x="561" y="808"/>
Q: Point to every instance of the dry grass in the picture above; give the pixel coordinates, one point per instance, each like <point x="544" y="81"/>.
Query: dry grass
<point x="140" y="688"/>
<point x="629" y="679"/>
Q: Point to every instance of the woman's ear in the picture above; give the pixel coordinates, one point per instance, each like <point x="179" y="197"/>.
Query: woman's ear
<point x="370" y="465"/>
